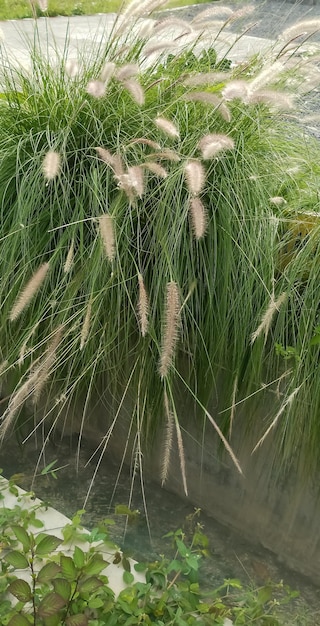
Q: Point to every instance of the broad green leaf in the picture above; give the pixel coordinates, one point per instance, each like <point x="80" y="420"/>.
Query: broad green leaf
<point x="17" y="559"/>
<point x="22" y="536"/>
<point x="128" y="578"/>
<point x="95" y="566"/>
<point x="126" y="564"/>
<point x="53" y="620"/>
<point x="182" y="548"/>
<point x="140" y="567"/>
<point x="48" y="572"/>
<point x="77" y="620"/>
<point x="18" y="620"/>
<point x="193" y="562"/>
<point x="68" y="567"/>
<point x="20" y="590"/>
<point x="117" y="558"/>
<point x="88" y="585"/>
<point x="95" y="603"/>
<point x="51" y="604"/>
<point x="48" y="544"/>
<point x="62" y="587"/>
<point x="78" y="557"/>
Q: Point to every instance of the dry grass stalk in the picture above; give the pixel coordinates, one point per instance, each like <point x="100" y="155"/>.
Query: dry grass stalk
<point x="224" y="441"/>
<point x="96" y="88"/>
<point x="51" y="165"/>
<point x="167" y="445"/>
<point x="143" y="307"/>
<point x="156" y="169"/>
<point x="167" y="127"/>
<point x="266" y="321"/>
<point x="195" y="176"/>
<point x="198" y="217"/>
<point x="85" y="326"/>
<point x="69" y="260"/>
<point x="305" y="27"/>
<point x="107" y="72"/>
<point x="129" y="70"/>
<point x="171" y="327"/>
<point x="107" y="235"/>
<point x="135" y="90"/>
<point x="287" y="403"/>
<point x="233" y="405"/>
<point x="44" y="370"/>
<point x="28" y="292"/>
<point x="211" y="145"/>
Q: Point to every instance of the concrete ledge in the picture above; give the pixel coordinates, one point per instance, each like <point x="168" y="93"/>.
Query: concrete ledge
<point x="54" y="522"/>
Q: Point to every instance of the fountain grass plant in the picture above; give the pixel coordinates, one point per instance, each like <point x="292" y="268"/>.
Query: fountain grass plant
<point x="148" y="243"/>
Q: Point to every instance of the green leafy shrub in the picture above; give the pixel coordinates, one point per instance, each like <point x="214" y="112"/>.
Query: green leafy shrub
<point x="144" y="217"/>
<point x="53" y="582"/>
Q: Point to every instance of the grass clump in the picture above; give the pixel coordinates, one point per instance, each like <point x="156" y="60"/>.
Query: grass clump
<point x="148" y="203"/>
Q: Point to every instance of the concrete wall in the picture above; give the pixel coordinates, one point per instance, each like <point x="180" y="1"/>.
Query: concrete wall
<point x="281" y="514"/>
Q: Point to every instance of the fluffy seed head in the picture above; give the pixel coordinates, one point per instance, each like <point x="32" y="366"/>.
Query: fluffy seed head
<point x="167" y="127"/>
<point x="107" y="72"/>
<point x="195" y="176"/>
<point x="300" y="29"/>
<point x="51" y="165"/>
<point x="213" y="100"/>
<point x="29" y="291"/>
<point x="96" y="88"/>
<point x="136" y="180"/>
<point x="43" y="371"/>
<point x="266" y="321"/>
<point x="278" y="200"/>
<point x="266" y="76"/>
<point x="198" y="217"/>
<point x="143" y="306"/>
<point x="85" y="326"/>
<point x="135" y="90"/>
<point x="127" y="71"/>
<point x="172" y="322"/>
<point x="72" y="68"/>
<point x="236" y="89"/>
<point x="156" y="169"/>
<point x="69" y="260"/>
<point x="167" y="445"/>
<point x="43" y="5"/>
<point x="276" y="99"/>
<point x="211" y="145"/>
<point x="205" y="78"/>
<point x="107" y="235"/>
<point x="217" y="11"/>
